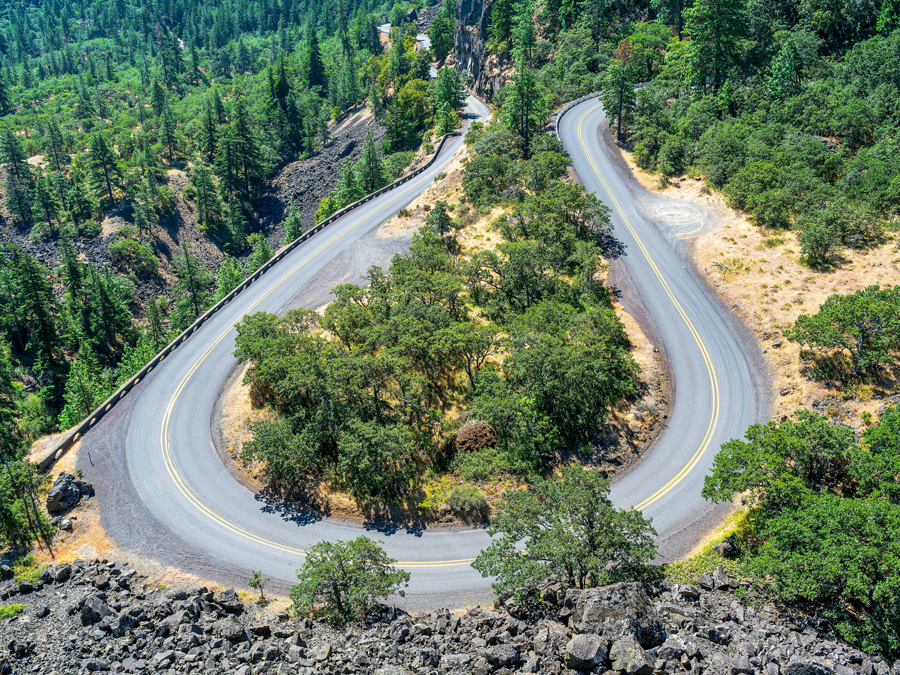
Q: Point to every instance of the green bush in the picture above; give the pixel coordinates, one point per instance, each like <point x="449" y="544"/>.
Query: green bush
<point x="467" y="500"/>
<point x="90" y="228"/>
<point x="9" y="611"/>
<point x="134" y="256"/>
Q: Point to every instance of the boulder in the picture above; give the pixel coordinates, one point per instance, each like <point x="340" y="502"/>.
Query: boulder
<point x="629" y="657"/>
<point x="616" y="611"/>
<point x="94" y="610"/>
<point x="504" y="655"/>
<point x="230" y="601"/>
<point x="585" y="652"/>
<point x="66" y="492"/>
<point x="690" y="592"/>
<point x="706" y="581"/>
<point x="720" y="579"/>
<point x="808" y="667"/>
<point x="726" y="548"/>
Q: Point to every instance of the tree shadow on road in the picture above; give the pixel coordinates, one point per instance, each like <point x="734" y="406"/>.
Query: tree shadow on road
<point x="302" y="511"/>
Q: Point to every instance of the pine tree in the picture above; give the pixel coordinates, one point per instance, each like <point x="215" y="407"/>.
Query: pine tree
<point x="54" y="143"/>
<point x="192" y="288"/>
<point x="370" y="169"/>
<point x="158" y="98"/>
<point x="315" y="69"/>
<point x="241" y="167"/>
<point x="156" y="329"/>
<point x="716" y="28"/>
<point x="260" y="254"/>
<point x="209" y="134"/>
<point x="46" y="202"/>
<point x="168" y="131"/>
<point x="237" y="227"/>
<point x="78" y="198"/>
<point x="293" y="225"/>
<point x="40" y="308"/>
<point x="103" y="166"/>
<point x="5" y="101"/>
<point x="449" y="88"/>
<point x="209" y="206"/>
<point x="84" y="390"/>
<point x="11" y="152"/>
<point x="20" y="195"/>
<point x="228" y="278"/>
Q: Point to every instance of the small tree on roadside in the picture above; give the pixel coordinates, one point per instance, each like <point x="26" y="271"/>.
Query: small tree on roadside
<point x="344" y="579"/>
<point x="572" y="534"/>
<point x="258" y="582"/>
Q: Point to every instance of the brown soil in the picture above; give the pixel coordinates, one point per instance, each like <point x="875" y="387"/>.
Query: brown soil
<point x="759" y="274"/>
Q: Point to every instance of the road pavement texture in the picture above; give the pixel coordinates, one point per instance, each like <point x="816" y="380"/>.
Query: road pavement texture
<point x="165" y="493"/>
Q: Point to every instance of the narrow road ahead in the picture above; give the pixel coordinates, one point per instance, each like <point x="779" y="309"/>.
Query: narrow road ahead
<point x="165" y="492"/>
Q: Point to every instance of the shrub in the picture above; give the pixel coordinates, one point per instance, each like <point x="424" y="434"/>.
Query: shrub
<point x="90" y="228"/>
<point x="9" y="611"/>
<point x="467" y="500"/>
<point x="134" y="256"/>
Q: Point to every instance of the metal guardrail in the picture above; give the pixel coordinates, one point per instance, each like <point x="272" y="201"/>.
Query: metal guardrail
<point x="77" y="432"/>
<point x="567" y="107"/>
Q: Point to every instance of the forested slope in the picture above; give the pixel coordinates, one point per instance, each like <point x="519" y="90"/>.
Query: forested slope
<point x="151" y="153"/>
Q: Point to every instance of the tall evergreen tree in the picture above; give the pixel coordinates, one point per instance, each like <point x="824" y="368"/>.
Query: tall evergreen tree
<point x="315" y="69"/>
<point x="716" y="28"/>
<point x="370" y="168"/>
<point x="103" y="166"/>
<point x="191" y="288"/>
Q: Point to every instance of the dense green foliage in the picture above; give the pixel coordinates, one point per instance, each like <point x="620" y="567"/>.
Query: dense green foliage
<point x="864" y="324"/>
<point x="341" y="581"/>
<point x="825" y="520"/>
<point x="362" y="406"/>
<point x="572" y="535"/>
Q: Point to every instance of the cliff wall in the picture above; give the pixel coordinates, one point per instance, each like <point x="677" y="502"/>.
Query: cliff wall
<point x="485" y="73"/>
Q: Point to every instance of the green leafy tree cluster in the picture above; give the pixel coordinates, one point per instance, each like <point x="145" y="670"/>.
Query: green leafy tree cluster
<point x="564" y="531"/>
<point x="825" y="518"/>
<point x="342" y="581"/>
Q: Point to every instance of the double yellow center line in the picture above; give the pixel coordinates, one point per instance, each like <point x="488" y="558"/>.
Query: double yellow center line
<point x="714" y="384"/>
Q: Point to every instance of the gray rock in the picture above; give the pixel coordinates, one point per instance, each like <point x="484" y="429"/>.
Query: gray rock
<point x="706" y="582"/>
<point x="616" y="611"/>
<point x="96" y="665"/>
<point x="720" y="579"/>
<point x="629" y="657"/>
<point x="502" y="655"/>
<point x="6" y="572"/>
<point x="394" y="670"/>
<point x="65" y="524"/>
<point x="740" y="665"/>
<point x="726" y="549"/>
<point x="690" y="592"/>
<point x="808" y="667"/>
<point x="41" y="611"/>
<point x="585" y="652"/>
<point x="230" y="601"/>
<point x="94" y="610"/>
<point x="66" y="492"/>
<point x="61" y="573"/>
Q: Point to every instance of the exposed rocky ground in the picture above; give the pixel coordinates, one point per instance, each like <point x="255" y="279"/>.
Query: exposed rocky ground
<point x="100" y="615"/>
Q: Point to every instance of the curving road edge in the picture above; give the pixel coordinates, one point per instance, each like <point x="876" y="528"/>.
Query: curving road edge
<point x="166" y="493"/>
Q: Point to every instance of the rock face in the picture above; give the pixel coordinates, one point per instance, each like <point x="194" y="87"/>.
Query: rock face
<point x="133" y="626"/>
<point x="485" y="73"/>
<point x="66" y="492"/>
<point x="617" y="610"/>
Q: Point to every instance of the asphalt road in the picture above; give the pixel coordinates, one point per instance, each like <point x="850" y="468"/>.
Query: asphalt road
<point x="165" y="491"/>
<point x="718" y="384"/>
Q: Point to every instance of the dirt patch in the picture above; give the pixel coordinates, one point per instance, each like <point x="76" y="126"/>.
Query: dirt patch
<point x="757" y="272"/>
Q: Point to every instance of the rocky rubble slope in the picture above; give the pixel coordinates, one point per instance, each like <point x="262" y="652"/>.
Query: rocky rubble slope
<point x="103" y="616"/>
